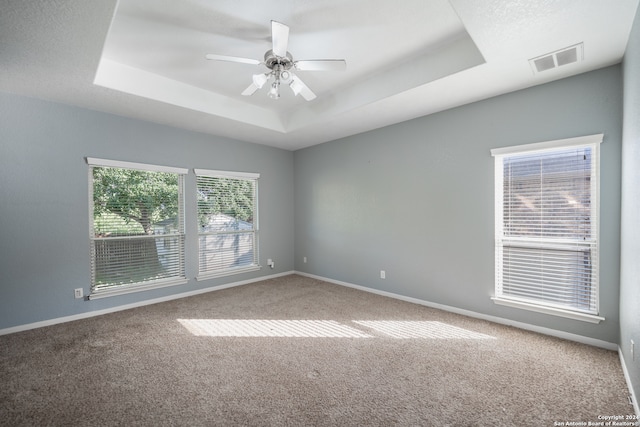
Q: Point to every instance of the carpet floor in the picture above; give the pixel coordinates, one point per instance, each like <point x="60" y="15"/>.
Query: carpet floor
<point x="296" y="351"/>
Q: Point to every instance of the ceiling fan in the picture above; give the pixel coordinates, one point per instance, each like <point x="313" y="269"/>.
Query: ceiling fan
<point x="281" y="65"/>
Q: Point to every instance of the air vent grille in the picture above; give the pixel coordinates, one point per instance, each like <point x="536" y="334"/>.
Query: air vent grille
<point x="544" y="63"/>
<point x="561" y="57"/>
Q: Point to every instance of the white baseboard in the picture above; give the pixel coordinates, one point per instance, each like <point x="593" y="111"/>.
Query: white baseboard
<point x="546" y="331"/>
<point x="627" y="378"/>
<point x="526" y="326"/>
<point x="94" y="313"/>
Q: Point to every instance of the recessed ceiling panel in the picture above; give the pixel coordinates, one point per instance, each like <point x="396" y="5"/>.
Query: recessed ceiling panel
<point x="145" y="59"/>
<point x="154" y="48"/>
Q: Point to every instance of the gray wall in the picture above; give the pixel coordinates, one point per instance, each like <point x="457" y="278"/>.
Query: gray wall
<point x="44" y="224"/>
<point x="417" y="199"/>
<point x="414" y="199"/>
<point x="630" y="236"/>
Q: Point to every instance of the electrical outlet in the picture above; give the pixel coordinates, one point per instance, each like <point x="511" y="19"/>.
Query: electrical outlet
<point x="383" y="274"/>
<point x="632" y="350"/>
<point x="304" y="259"/>
<point x="78" y="293"/>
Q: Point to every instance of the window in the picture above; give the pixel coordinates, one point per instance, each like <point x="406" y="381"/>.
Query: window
<point x="227" y="222"/>
<point x="547" y="227"/>
<point x="137" y="227"/>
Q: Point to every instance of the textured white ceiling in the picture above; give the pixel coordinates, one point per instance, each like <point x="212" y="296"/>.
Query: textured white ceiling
<point x="145" y="58"/>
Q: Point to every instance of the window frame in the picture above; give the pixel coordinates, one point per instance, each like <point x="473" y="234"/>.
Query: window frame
<point x="181" y="232"/>
<point x="592" y="141"/>
<point x="254" y="232"/>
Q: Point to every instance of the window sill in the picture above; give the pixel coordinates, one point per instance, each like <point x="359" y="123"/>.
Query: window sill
<point x="128" y="289"/>
<point x="591" y="318"/>
<point x="228" y="272"/>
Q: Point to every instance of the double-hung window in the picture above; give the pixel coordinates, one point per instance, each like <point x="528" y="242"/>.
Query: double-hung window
<point x="137" y="229"/>
<point x="547" y="227"/>
<point x="227" y="222"/>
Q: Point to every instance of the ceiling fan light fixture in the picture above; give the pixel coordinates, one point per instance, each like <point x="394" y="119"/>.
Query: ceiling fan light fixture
<point x="260" y="79"/>
<point x="295" y="86"/>
<point x="274" y="92"/>
<point x="280" y="63"/>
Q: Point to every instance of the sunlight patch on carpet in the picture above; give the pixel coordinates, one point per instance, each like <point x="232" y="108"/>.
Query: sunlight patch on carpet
<point x="270" y="328"/>
<point x="421" y="329"/>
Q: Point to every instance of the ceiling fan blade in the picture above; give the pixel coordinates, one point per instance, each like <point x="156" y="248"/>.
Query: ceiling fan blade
<point x="298" y="87"/>
<point x="215" y="57"/>
<point x="250" y="90"/>
<point x="321" y="65"/>
<point x="279" y="38"/>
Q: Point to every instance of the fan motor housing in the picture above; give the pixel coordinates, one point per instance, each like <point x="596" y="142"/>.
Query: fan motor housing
<point x="271" y="60"/>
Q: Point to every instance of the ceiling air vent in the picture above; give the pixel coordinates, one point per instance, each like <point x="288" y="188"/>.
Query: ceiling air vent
<point x="561" y="57"/>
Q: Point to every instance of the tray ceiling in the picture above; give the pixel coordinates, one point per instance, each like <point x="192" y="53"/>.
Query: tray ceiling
<point x="146" y="58"/>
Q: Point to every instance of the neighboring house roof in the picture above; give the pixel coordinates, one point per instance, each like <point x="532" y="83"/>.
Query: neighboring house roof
<point x="222" y="222"/>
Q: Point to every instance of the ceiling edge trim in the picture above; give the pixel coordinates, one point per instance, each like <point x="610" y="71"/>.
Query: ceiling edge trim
<point x="134" y="81"/>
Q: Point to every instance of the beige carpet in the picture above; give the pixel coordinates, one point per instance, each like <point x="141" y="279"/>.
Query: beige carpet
<point x="296" y="351"/>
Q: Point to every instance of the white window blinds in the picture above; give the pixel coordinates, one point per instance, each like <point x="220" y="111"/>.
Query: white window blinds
<point x="137" y="227"/>
<point x="228" y="222"/>
<point x="547" y="225"/>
